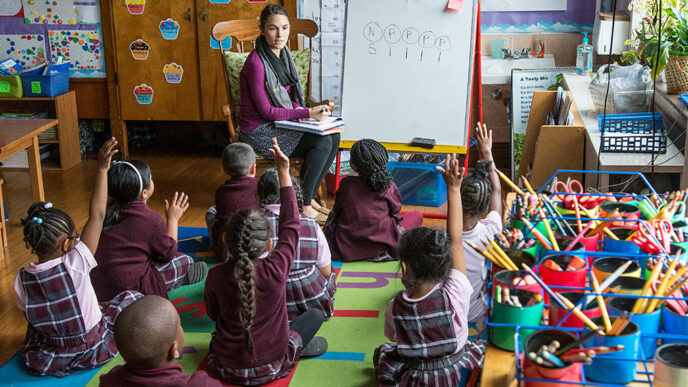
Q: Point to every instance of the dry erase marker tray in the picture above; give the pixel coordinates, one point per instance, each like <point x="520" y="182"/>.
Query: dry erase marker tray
<point x="633" y="133"/>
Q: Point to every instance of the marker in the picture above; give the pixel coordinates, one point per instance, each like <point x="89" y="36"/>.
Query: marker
<point x="552" y="359"/>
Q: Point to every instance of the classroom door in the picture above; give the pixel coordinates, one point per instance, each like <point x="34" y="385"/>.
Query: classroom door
<point x="158" y="75"/>
<point x="209" y="13"/>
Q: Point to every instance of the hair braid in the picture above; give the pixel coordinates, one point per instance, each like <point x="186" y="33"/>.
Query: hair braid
<point x="269" y="189"/>
<point x="243" y="272"/>
<point x="44" y="227"/>
<point x="369" y="158"/>
<point x="476" y="189"/>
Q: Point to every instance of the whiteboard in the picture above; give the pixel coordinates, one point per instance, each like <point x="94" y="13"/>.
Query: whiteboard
<point x="408" y="69"/>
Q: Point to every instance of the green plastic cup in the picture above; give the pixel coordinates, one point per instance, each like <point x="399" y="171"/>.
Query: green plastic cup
<point x="503" y="337"/>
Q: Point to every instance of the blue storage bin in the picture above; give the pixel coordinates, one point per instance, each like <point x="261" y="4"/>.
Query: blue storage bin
<point x="54" y="83"/>
<point x="419" y="184"/>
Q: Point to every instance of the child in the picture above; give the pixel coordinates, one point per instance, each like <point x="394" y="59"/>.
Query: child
<point x="428" y="320"/>
<point x="366" y="220"/>
<point x="150" y="337"/>
<point x="311" y="280"/>
<point x="253" y="342"/>
<point x="480" y="191"/>
<point x="67" y="330"/>
<point x="237" y="193"/>
<point x="138" y="251"/>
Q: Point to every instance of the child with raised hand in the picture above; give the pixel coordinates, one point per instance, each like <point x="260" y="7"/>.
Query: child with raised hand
<point x="428" y="321"/>
<point x="237" y="193"/>
<point x="366" y="221"/>
<point x="311" y="280"/>
<point x="67" y="330"/>
<point x="138" y="250"/>
<point x="254" y="343"/>
<point x="482" y="219"/>
<point x="150" y="338"/>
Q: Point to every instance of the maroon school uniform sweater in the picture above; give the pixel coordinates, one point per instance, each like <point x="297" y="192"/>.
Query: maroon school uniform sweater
<point x="171" y="376"/>
<point x="364" y="223"/>
<point x="236" y="194"/>
<point x="270" y="329"/>
<point x="126" y="254"/>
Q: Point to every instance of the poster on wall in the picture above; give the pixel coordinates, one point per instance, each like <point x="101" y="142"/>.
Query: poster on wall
<point x="10" y="8"/>
<point x="28" y="50"/>
<point x="572" y="17"/>
<point x="49" y="12"/>
<point x="520" y="5"/>
<point x="81" y="47"/>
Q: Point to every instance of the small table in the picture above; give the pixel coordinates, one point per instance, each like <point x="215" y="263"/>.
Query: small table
<point x="17" y="135"/>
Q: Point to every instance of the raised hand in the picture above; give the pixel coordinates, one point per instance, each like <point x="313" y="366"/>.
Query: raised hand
<point x="176" y="208"/>
<point x="106" y="152"/>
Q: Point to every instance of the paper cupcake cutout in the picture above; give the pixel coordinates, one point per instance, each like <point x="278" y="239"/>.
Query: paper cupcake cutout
<point x="135" y="7"/>
<point x="169" y="29"/>
<point x="139" y="49"/>
<point x="173" y="72"/>
<point x="143" y="94"/>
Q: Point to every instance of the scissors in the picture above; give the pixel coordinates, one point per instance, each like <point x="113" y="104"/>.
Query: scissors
<point x="572" y="187"/>
<point x="648" y="242"/>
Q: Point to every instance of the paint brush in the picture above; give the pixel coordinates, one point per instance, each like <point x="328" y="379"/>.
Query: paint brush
<point x="578" y="237"/>
<point x="578" y="342"/>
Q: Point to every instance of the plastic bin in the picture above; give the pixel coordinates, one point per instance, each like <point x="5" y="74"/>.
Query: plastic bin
<point x="633" y="133"/>
<point x="54" y="83"/>
<point x="420" y="184"/>
<point x="11" y="86"/>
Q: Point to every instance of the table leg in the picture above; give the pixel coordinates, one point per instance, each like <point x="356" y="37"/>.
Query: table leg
<point x="33" y="153"/>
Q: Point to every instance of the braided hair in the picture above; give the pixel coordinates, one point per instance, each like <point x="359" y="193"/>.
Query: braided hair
<point x="476" y="189"/>
<point x="369" y="158"/>
<point x="269" y="189"/>
<point x="427" y="256"/>
<point x="247" y="235"/>
<point x="44" y="226"/>
<point x="124" y="186"/>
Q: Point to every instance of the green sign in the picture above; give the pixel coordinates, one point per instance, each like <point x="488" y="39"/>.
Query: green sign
<point x="35" y="87"/>
<point x="5" y="87"/>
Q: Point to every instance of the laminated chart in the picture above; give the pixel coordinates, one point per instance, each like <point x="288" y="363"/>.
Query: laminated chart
<point x="28" y="50"/>
<point x="81" y="47"/>
<point x="50" y="12"/>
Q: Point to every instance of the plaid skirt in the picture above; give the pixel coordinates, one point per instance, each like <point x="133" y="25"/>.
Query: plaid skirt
<point x="392" y="369"/>
<point x="260" y="139"/>
<point x="174" y="271"/>
<point x="261" y="374"/>
<point x="308" y="289"/>
<point x="60" y="356"/>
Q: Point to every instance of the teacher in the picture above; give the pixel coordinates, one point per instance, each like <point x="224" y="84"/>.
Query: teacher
<point x="270" y="91"/>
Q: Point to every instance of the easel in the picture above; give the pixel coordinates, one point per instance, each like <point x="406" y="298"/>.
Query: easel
<point x="476" y="115"/>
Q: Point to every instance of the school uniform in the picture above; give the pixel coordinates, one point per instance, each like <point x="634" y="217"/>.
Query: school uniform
<point x="306" y="287"/>
<point x="67" y="330"/>
<point x="138" y="254"/>
<point x="236" y="194"/>
<point x="364" y="224"/>
<point x="170" y="376"/>
<point x="276" y="348"/>
<point x="430" y="335"/>
<point x="476" y="270"/>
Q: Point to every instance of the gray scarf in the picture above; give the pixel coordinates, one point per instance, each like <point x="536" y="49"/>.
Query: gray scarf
<point x="275" y="89"/>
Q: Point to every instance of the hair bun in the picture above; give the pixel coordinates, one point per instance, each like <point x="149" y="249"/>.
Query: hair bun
<point x="440" y="237"/>
<point x="483" y="168"/>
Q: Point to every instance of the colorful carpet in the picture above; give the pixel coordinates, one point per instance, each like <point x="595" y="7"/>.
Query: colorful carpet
<point x="363" y="290"/>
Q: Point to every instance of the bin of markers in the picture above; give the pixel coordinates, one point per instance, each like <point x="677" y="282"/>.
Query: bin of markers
<point x="603" y="267"/>
<point x="574" y="278"/>
<point x="568" y="375"/>
<point x="648" y="323"/>
<point x="671" y="365"/>
<point x="675" y="324"/>
<point x="517" y="257"/>
<point x="503" y="313"/>
<point x="622" y="245"/>
<point x="540" y="226"/>
<point x="564" y="243"/>
<point x="614" y="367"/>
<point x="516" y="278"/>
<point x="556" y="313"/>
<point x="627" y="285"/>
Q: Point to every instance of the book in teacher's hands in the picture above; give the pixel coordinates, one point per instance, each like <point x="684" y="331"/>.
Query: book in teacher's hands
<point x="327" y="126"/>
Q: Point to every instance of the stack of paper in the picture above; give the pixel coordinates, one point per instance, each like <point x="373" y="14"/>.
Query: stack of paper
<point x="327" y="126"/>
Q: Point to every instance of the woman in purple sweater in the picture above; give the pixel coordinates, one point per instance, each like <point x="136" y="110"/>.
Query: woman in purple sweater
<point x="270" y="91"/>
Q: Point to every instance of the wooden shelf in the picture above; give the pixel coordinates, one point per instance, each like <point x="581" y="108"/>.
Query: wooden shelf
<point x="28" y="99"/>
<point x="45" y="141"/>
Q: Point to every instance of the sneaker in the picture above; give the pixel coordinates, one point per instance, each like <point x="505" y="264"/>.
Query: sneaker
<point x="316" y="347"/>
<point x="382" y="258"/>
<point x="197" y="272"/>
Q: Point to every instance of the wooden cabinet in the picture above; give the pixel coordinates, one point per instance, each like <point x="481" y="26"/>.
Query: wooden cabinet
<point x="200" y="94"/>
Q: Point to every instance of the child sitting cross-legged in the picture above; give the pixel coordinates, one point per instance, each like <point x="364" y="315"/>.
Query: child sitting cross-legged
<point x="68" y="330"/>
<point x="428" y="320"/>
<point x="254" y="342"/>
<point x="150" y="338"/>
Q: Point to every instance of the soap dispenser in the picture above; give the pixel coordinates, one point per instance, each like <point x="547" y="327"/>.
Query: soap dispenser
<point x="584" y="56"/>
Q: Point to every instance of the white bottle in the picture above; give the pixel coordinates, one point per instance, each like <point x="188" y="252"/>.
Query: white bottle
<point x="584" y="56"/>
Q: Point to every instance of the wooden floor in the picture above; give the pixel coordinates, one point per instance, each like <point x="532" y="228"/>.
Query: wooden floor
<point x="196" y="172"/>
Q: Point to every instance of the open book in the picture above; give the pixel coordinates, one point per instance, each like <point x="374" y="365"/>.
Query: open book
<point x="327" y="126"/>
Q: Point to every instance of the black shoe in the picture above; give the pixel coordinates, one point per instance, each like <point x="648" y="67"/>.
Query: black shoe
<point x="316" y="347"/>
<point x="197" y="272"/>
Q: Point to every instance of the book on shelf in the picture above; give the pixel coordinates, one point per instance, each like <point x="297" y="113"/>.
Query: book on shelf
<point x="21" y="159"/>
<point x="327" y="126"/>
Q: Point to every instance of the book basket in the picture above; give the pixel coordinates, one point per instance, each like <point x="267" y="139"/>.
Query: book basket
<point x="633" y="133"/>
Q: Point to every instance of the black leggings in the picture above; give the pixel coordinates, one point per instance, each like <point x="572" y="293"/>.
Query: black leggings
<point x="318" y="153"/>
<point x="307" y="324"/>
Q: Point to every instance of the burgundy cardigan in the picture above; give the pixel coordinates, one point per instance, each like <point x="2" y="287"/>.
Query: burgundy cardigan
<point x="270" y="329"/>
<point x="171" y="376"/>
<point x="126" y="254"/>
<point x="234" y="195"/>
<point x="364" y="223"/>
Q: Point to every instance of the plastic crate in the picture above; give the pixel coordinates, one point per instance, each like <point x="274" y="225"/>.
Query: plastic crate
<point x="11" y="86"/>
<point x="419" y="184"/>
<point x="633" y="133"/>
<point x="54" y="83"/>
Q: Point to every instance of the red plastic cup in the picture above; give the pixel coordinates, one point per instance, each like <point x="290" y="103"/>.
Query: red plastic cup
<point x="562" y="278"/>
<point x="572" y="321"/>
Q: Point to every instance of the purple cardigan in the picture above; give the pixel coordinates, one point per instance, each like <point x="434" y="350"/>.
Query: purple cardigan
<point x="124" y="375"/>
<point x="234" y="195"/>
<point x="255" y="104"/>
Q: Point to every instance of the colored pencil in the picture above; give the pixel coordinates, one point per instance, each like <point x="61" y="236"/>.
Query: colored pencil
<point x="487" y="255"/>
<point x="537" y="234"/>
<point x="543" y="285"/>
<point x="527" y="185"/>
<point x="664" y="285"/>
<point x="555" y="211"/>
<point x="600" y="302"/>
<point x="647" y="288"/>
<point x="550" y="234"/>
<point x="578" y="342"/>
<point x="505" y="257"/>
<point x="578" y="237"/>
<point x="509" y="182"/>
<point x="552" y="359"/>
